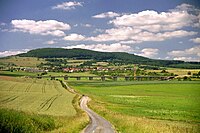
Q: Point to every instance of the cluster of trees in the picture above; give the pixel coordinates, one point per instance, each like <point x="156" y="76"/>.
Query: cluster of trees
<point x="138" y="72"/>
<point x="120" y="57"/>
<point x="196" y="74"/>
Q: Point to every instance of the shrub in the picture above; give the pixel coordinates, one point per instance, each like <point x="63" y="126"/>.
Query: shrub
<point x="19" y="122"/>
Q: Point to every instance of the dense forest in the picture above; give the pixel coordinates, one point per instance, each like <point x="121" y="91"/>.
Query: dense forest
<point x="115" y="57"/>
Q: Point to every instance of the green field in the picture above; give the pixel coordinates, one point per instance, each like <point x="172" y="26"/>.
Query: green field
<point x="17" y="73"/>
<point x="180" y="72"/>
<point x="23" y="61"/>
<point x="70" y="74"/>
<point x="40" y="96"/>
<point x="37" y="98"/>
<point x="149" y="106"/>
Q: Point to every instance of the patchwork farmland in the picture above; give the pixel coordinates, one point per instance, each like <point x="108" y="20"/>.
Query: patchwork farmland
<point x="36" y="96"/>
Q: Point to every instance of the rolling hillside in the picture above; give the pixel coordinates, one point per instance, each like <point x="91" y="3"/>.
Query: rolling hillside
<point x="120" y="57"/>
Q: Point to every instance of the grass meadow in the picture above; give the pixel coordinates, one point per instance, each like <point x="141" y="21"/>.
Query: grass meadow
<point x="23" y="61"/>
<point x="17" y="73"/>
<point x="29" y="99"/>
<point x="178" y="71"/>
<point x="151" y="106"/>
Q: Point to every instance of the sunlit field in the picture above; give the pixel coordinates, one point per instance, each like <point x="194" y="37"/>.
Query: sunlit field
<point x="150" y="106"/>
<point x="38" y="101"/>
<point x="32" y="95"/>
<point x="23" y="61"/>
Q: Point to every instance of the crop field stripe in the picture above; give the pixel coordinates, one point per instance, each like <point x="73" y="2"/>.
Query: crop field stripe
<point x="29" y="87"/>
<point x="12" y="87"/>
<point x="43" y="87"/>
<point x="56" y="87"/>
<point x="10" y="99"/>
<point x="48" y="102"/>
<point x="53" y="101"/>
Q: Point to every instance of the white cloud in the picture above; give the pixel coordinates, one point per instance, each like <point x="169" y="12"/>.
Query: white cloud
<point x="50" y="42"/>
<point x="98" y="30"/>
<point x="137" y="35"/>
<point x="194" y="51"/>
<point x="189" y="59"/>
<point x="195" y="40"/>
<point x="149" y="52"/>
<point x="150" y="25"/>
<point x="183" y="7"/>
<point x="106" y="15"/>
<point x="116" y="34"/>
<point x="130" y="42"/>
<point x="180" y="42"/>
<point x="83" y="25"/>
<point x="12" y="52"/>
<point x="86" y="25"/>
<point x="74" y="37"/>
<point x="155" y="22"/>
<point x="68" y="5"/>
<point x="54" y="33"/>
<point x="116" y="47"/>
<point x="48" y="27"/>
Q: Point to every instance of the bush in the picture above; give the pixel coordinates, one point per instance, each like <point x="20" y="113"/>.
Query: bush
<point x="189" y="73"/>
<point x="18" y="122"/>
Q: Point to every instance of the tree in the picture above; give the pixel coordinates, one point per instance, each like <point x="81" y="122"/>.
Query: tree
<point x="189" y="73"/>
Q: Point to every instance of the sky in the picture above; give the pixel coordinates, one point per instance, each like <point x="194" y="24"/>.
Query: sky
<point x="158" y="29"/>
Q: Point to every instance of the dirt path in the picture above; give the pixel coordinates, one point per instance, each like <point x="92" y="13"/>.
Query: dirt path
<point x="97" y="124"/>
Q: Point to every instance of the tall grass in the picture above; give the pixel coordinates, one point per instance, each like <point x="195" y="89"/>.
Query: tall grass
<point x="19" y="122"/>
<point x="73" y="124"/>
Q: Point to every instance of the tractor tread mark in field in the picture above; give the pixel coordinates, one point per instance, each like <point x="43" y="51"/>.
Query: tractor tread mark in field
<point x="43" y="87"/>
<point x="28" y="87"/>
<point x="10" y="99"/>
<point x="12" y="87"/>
<point x="52" y="102"/>
<point x="48" y="102"/>
<point x="56" y="87"/>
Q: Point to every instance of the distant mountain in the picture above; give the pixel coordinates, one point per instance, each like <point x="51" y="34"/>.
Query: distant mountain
<point x="120" y="57"/>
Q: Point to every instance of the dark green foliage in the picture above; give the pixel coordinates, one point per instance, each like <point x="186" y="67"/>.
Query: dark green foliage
<point x="18" y="122"/>
<point x="114" y="57"/>
<point x="189" y="73"/>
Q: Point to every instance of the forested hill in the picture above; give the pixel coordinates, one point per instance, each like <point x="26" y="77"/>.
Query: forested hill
<point x="120" y="57"/>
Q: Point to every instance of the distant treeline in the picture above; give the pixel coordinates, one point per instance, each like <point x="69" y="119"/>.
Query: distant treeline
<point x="114" y="57"/>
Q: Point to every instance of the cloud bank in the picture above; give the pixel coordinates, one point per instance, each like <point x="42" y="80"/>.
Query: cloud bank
<point x="12" y="52"/>
<point x="48" y="27"/>
<point x="115" y="47"/>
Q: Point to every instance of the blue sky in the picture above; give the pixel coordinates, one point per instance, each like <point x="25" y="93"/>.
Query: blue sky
<point x="160" y="29"/>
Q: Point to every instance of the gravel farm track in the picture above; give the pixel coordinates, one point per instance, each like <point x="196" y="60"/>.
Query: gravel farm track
<point x="97" y="123"/>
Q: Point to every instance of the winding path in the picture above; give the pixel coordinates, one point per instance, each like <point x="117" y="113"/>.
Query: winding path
<point x="97" y="124"/>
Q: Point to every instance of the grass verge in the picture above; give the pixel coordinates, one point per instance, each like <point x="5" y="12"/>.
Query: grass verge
<point x="19" y="122"/>
<point x="74" y="124"/>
